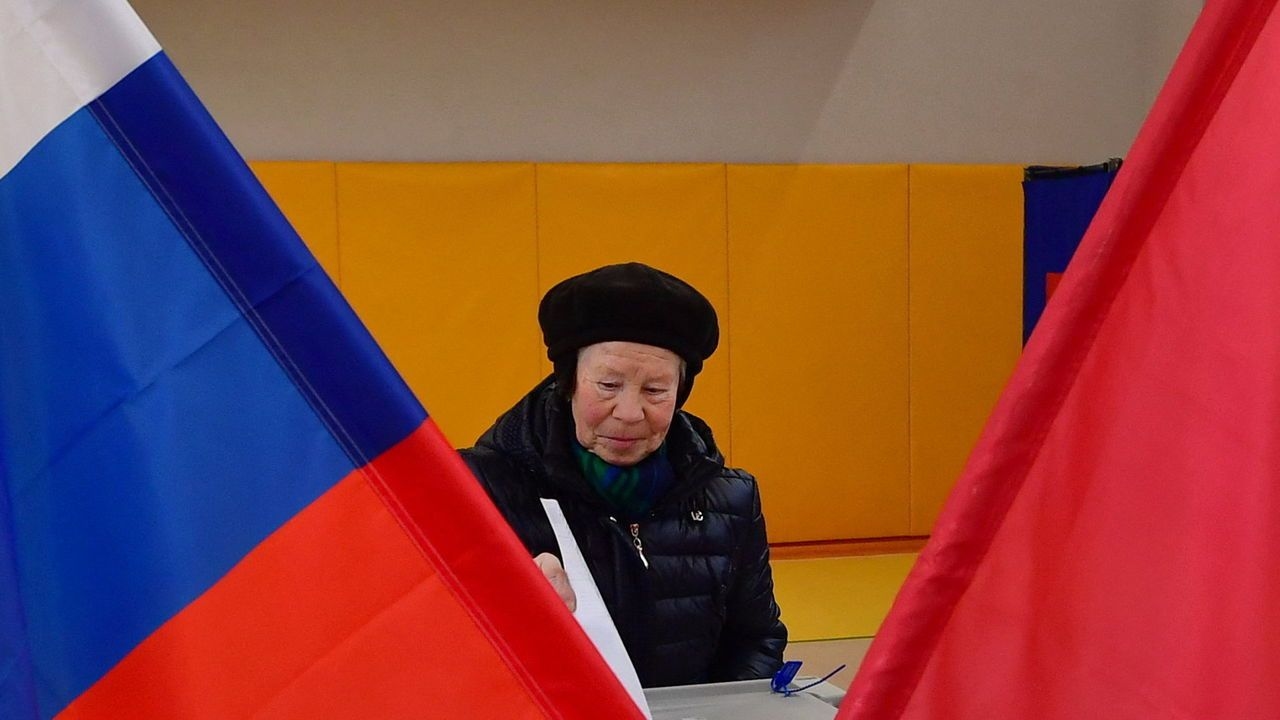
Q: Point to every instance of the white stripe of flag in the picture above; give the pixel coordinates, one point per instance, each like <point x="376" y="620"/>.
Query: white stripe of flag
<point x="56" y="56"/>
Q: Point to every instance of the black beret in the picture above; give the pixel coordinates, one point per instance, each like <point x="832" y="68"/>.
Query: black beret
<point x="631" y="302"/>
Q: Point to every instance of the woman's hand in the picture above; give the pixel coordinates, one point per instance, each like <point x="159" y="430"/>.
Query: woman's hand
<point x="554" y="572"/>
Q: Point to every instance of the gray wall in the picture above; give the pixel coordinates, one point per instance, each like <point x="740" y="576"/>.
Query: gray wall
<point x="985" y="81"/>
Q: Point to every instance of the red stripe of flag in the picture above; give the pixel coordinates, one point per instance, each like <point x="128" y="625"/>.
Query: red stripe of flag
<point x="357" y="609"/>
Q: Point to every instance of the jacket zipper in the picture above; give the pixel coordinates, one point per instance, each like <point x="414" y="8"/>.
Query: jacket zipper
<point x="635" y="540"/>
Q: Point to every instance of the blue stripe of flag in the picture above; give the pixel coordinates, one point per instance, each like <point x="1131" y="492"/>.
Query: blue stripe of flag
<point x="235" y="226"/>
<point x="17" y="678"/>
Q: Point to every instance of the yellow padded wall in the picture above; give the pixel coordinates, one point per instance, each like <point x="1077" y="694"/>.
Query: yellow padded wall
<point x="818" y="345"/>
<point x="966" y="316"/>
<point x="305" y="193"/>
<point x="440" y="261"/>
<point x="669" y="216"/>
<point x="832" y="598"/>
<point x="806" y="265"/>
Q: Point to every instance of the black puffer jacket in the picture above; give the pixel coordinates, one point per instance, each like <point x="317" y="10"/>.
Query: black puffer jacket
<point x="703" y="609"/>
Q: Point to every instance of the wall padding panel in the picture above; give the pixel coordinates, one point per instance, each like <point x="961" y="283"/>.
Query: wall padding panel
<point x="966" y="305"/>
<point x="818" y="345"/>
<point x="305" y="193"/>
<point x="669" y="216"/>
<point x="440" y="262"/>
<point x="869" y="314"/>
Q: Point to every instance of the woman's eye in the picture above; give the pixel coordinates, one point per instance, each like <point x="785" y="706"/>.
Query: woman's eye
<point x="655" y="390"/>
<point x="607" y="385"/>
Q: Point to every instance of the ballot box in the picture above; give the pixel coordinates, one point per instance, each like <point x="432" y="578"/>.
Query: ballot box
<point x="745" y="700"/>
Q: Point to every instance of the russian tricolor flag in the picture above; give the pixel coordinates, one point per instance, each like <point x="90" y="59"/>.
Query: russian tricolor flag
<point x="218" y="498"/>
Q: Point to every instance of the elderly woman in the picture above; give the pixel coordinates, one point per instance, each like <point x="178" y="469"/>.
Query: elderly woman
<point x="674" y="539"/>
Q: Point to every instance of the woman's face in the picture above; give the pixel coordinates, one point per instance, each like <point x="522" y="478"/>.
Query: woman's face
<point x="624" y="399"/>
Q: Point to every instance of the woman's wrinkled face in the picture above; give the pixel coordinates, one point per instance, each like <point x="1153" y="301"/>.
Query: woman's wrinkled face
<point x="624" y="399"/>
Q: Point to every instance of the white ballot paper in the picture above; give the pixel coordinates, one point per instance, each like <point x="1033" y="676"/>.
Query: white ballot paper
<point x="591" y="614"/>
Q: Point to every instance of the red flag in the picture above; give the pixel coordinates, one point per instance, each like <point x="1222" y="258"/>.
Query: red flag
<point x="1111" y="549"/>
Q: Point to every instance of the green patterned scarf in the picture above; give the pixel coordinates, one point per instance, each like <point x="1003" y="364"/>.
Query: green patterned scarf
<point x="632" y="491"/>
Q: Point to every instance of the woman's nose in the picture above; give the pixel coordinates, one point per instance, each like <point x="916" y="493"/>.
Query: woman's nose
<point x="629" y="408"/>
